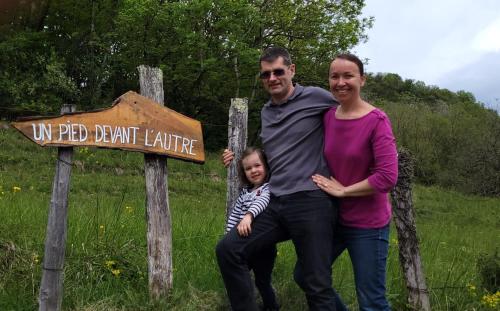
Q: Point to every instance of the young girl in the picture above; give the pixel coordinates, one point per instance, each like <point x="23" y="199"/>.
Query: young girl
<point x="253" y="199"/>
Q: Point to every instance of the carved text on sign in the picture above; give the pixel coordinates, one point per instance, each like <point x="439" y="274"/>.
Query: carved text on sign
<point x="133" y="123"/>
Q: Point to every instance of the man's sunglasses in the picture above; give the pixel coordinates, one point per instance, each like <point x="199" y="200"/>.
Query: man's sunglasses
<point x="276" y="72"/>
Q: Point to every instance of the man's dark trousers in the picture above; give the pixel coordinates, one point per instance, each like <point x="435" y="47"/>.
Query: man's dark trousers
<point x="307" y="218"/>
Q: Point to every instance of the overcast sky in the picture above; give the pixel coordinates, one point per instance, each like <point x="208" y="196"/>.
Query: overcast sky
<point x="453" y="44"/>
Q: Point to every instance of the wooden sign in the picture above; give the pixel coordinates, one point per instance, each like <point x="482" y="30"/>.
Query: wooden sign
<point x="134" y="123"/>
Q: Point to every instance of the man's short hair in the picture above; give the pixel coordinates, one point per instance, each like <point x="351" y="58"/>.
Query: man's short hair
<point x="273" y="53"/>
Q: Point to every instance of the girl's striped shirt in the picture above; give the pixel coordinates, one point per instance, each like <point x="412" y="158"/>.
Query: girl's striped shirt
<point x="254" y="202"/>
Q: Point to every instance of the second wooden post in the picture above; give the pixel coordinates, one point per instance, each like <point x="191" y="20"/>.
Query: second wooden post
<point x="159" y="234"/>
<point x="237" y="142"/>
<point x="404" y="219"/>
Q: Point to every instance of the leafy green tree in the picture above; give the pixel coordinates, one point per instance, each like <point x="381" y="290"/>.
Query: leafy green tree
<point x="83" y="33"/>
<point x="33" y="80"/>
<point x="208" y="50"/>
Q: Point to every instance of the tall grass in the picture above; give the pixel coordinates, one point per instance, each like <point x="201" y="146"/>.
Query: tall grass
<point x="106" y="252"/>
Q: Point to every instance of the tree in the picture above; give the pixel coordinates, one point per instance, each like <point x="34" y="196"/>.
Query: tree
<point x="208" y="49"/>
<point x="33" y="79"/>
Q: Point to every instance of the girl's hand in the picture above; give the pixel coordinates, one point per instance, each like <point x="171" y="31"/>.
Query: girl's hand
<point x="330" y="186"/>
<point x="227" y="157"/>
<point x="245" y="226"/>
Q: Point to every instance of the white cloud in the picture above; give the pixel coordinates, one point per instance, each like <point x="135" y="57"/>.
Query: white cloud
<point x="432" y="41"/>
<point x="488" y="40"/>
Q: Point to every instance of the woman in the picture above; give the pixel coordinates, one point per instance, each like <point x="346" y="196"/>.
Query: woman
<point x="361" y="154"/>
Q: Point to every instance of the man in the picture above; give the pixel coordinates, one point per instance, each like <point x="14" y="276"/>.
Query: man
<point x="292" y="136"/>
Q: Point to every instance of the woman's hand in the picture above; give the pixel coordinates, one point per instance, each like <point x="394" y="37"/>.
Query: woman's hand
<point x="227" y="157"/>
<point x="330" y="186"/>
<point x="245" y="226"/>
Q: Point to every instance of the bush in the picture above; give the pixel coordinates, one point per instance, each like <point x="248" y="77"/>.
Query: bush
<point x="488" y="266"/>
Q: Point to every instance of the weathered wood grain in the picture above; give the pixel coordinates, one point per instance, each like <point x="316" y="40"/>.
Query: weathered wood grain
<point x="51" y="287"/>
<point x="159" y="234"/>
<point x="404" y="219"/>
<point x="237" y="142"/>
<point x="134" y="123"/>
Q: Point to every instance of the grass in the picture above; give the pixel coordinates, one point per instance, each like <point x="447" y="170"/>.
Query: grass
<point x="106" y="250"/>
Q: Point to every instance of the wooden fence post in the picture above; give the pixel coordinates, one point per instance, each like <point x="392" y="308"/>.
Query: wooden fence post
<point x="51" y="287"/>
<point x="159" y="233"/>
<point x="404" y="219"/>
<point x="237" y="142"/>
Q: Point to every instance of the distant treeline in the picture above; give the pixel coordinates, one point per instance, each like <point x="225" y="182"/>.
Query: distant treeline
<point x="87" y="52"/>
<point x="454" y="139"/>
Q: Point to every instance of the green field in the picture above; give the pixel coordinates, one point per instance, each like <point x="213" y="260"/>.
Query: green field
<point x="106" y="252"/>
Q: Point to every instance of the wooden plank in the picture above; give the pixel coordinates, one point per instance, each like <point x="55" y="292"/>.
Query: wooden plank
<point x="237" y="142"/>
<point x="159" y="234"/>
<point x="404" y="219"/>
<point x="51" y="287"/>
<point x="134" y="122"/>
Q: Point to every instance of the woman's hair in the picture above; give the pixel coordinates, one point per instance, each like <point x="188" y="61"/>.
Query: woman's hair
<point x="352" y="58"/>
<point x="241" y="170"/>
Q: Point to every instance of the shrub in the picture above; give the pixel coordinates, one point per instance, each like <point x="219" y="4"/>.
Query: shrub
<point x="489" y="270"/>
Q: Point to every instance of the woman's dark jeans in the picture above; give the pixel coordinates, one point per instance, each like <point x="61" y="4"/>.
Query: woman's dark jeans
<point x="368" y="249"/>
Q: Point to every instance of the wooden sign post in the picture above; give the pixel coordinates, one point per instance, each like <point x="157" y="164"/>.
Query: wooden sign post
<point x="51" y="287"/>
<point x="135" y="123"/>
<point x="159" y="233"/>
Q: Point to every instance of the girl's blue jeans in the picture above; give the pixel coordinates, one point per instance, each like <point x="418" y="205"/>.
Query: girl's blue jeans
<point x="368" y="249"/>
